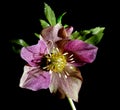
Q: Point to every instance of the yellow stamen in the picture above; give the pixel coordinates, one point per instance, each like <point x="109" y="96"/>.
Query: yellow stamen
<point x="55" y="62"/>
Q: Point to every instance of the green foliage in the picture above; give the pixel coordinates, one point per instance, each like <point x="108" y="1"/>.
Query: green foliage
<point x="44" y="24"/>
<point x="97" y="34"/>
<point x="50" y="17"/>
<point x="18" y="43"/>
<point x="59" y="19"/>
<point x="49" y="14"/>
<point x="92" y="36"/>
<point x="37" y="35"/>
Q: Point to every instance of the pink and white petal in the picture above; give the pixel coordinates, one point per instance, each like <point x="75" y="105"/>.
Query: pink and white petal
<point x="83" y="52"/>
<point x="51" y="33"/>
<point x="54" y="82"/>
<point x="34" y="79"/>
<point x="69" y="82"/>
<point x="33" y="54"/>
<point x="69" y="30"/>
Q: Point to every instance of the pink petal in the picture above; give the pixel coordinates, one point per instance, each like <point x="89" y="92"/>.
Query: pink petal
<point x="68" y="85"/>
<point x="83" y="52"/>
<point x="51" y="33"/>
<point x="33" y="54"/>
<point x="69" y="30"/>
<point x="65" y="33"/>
<point x="34" y="79"/>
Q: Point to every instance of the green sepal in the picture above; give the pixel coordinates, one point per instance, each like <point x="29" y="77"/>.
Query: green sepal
<point x="49" y="14"/>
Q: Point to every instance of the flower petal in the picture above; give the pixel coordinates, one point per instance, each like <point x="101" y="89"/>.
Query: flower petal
<point x="69" y="30"/>
<point x="61" y="43"/>
<point x="33" y="54"/>
<point x="83" y="52"/>
<point x="67" y="83"/>
<point x="34" y="79"/>
<point x="65" y="32"/>
<point x="51" y="33"/>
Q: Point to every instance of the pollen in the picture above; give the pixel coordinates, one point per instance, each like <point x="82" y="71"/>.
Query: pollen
<point x="55" y="62"/>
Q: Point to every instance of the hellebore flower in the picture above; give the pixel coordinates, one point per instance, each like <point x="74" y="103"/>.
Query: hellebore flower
<point x="55" y="67"/>
<point x="53" y="62"/>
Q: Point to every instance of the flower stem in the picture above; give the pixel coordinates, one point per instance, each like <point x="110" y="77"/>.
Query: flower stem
<point x="71" y="103"/>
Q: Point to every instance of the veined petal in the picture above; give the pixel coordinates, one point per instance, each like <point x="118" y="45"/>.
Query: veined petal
<point x="61" y="43"/>
<point x="65" y="32"/>
<point x="83" y="52"/>
<point x="33" y="54"/>
<point x="67" y="83"/>
<point x="34" y="79"/>
<point x="51" y="33"/>
<point x="69" y="30"/>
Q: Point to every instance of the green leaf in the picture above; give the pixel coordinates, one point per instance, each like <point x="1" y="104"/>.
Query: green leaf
<point x="76" y="35"/>
<point x="44" y="24"/>
<point x="37" y="35"/>
<point x="59" y="19"/>
<point x="65" y="26"/>
<point x="20" y="42"/>
<point x="17" y="44"/>
<point x="97" y="34"/>
<point x="84" y="33"/>
<point x="16" y="50"/>
<point x="49" y="14"/>
<point x="97" y="30"/>
<point x="92" y="36"/>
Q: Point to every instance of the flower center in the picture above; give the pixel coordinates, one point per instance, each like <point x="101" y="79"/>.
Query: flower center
<point x="55" y="62"/>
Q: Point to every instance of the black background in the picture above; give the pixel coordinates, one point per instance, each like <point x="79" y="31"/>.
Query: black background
<point x="20" y="19"/>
